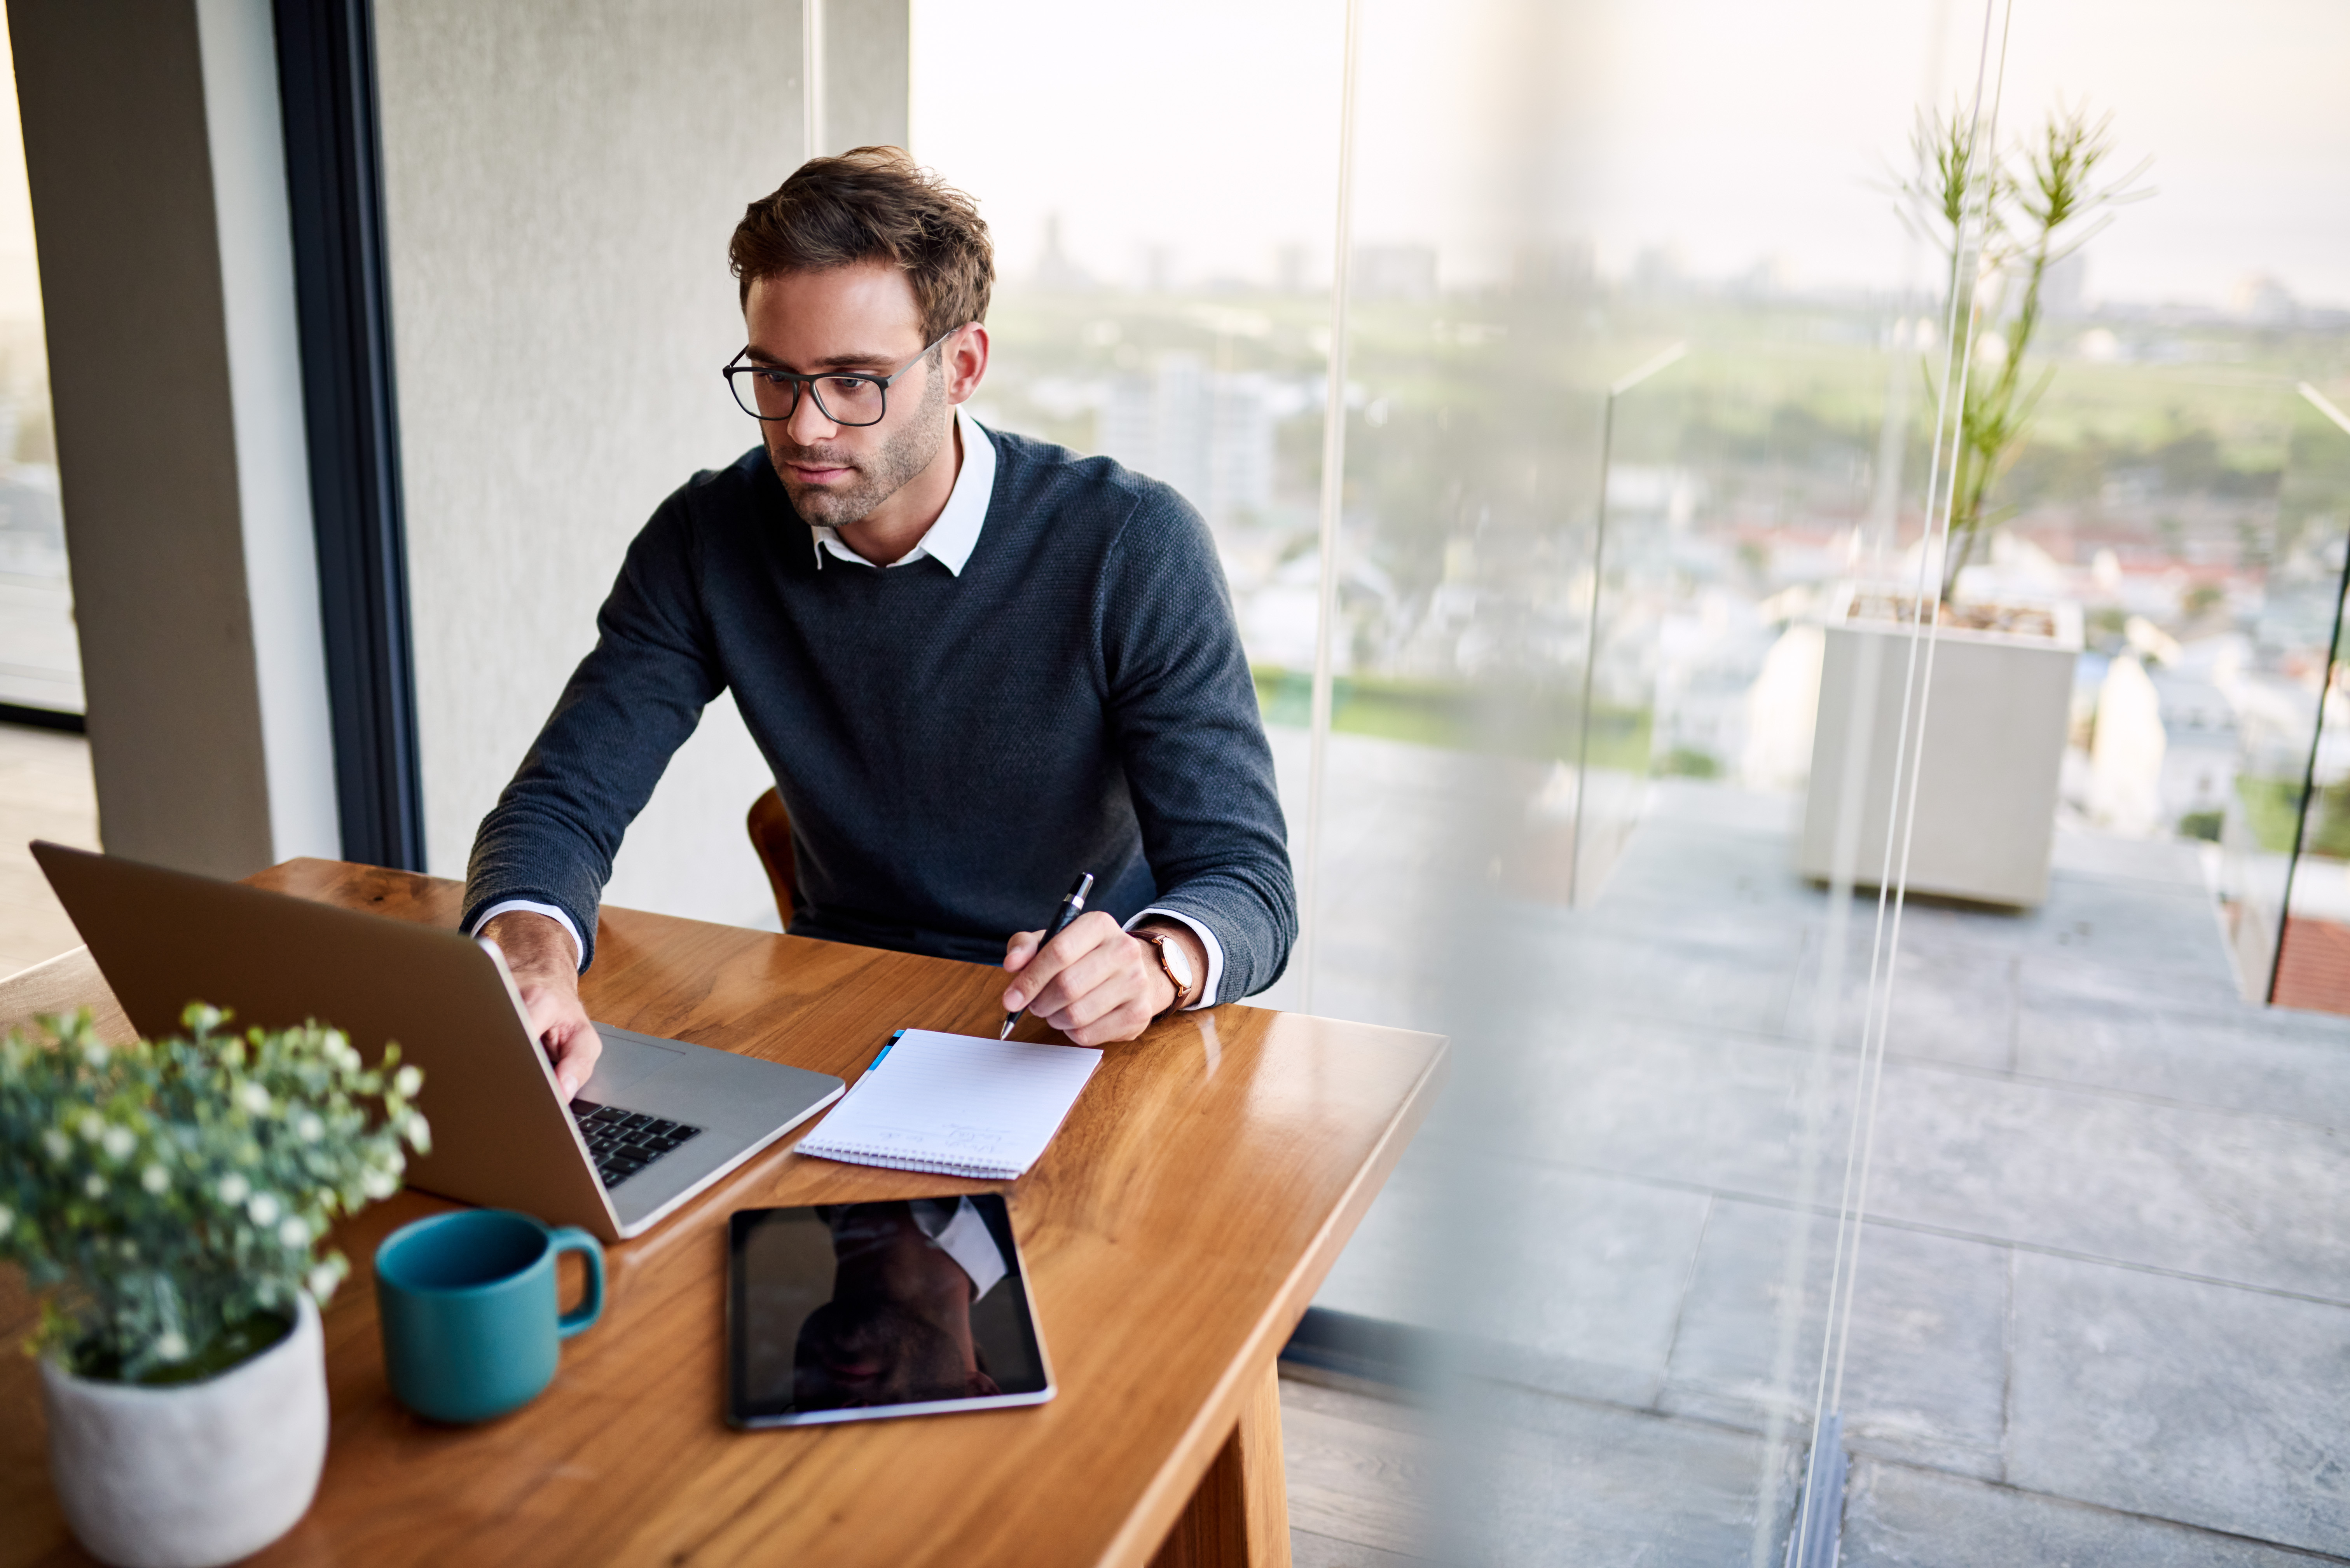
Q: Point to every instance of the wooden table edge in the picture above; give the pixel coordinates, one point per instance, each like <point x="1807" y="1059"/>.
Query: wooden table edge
<point x="1177" y="1486"/>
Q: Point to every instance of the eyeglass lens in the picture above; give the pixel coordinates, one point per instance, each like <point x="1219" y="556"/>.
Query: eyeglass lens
<point x="843" y="400"/>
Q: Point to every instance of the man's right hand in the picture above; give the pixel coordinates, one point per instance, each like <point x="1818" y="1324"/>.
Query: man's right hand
<point x="546" y="969"/>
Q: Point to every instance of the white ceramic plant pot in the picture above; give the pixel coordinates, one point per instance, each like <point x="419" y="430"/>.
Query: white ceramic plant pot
<point x="1993" y="750"/>
<point x="194" y="1475"/>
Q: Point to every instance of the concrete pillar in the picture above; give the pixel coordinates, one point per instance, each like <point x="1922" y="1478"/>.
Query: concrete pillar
<point x="159" y="217"/>
<point x="868" y="82"/>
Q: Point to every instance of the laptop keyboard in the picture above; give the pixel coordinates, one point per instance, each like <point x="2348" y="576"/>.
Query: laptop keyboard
<point x="624" y="1142"/>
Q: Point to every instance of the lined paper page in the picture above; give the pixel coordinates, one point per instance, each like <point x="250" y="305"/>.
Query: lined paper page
<point x="956" y="1103"/>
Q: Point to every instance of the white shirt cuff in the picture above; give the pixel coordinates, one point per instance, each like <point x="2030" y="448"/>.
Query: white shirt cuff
<point x="550" y="910"/>
<point x="963" y="1235"/>
<point x="1207" y="939"/>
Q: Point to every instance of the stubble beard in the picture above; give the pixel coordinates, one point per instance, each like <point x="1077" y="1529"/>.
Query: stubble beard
<point x="880" y="475"/>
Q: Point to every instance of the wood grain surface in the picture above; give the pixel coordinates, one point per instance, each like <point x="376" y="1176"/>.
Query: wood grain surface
<point x="1174" y="1232"/>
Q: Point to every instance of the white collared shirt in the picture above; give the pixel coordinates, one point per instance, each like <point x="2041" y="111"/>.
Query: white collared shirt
<point x="948" y="541"/>
<point x="949" y="538"/>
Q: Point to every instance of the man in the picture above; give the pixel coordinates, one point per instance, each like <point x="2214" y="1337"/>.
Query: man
<point x="897" y="1329"/>
<point x="977" y="663"/>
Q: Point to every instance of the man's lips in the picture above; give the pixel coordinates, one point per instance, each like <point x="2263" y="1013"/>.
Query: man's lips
<point x="815" y="474"/>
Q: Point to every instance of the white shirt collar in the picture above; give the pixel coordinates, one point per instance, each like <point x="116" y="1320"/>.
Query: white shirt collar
<point x="951" y="539"/>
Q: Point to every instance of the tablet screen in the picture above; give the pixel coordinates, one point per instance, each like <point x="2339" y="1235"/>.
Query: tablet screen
<point x="849" y="1312"/>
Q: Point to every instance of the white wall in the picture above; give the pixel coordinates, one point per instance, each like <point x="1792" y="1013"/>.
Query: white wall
<point x="562" y="177"/>
<point x="247" y="129"/>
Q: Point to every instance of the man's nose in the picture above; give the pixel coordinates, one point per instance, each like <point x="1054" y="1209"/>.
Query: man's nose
<point x="807" y="424"/>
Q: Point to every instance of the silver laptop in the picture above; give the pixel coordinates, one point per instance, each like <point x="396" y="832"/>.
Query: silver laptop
<point x="659" y="1120"/>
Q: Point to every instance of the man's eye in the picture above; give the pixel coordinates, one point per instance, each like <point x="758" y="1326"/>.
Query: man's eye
<point x="847" y="386"/>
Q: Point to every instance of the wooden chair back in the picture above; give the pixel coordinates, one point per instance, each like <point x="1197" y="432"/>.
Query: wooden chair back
<point x="771" y="834"/>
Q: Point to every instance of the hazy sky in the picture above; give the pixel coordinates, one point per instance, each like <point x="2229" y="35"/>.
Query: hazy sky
<point x="1728" y="130"/>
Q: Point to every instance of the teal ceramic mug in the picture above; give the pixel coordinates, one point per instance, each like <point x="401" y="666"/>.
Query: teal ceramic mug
<point x="467" y="1303"/>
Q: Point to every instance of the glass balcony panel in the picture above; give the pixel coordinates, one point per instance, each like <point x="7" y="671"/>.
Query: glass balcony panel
<point x="1601" y="497"/>
<point x="2288" y="847"/>
<point x="1741" y="1138"/>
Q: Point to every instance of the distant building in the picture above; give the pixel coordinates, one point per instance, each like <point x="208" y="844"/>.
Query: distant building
<point x="2263" y="301"/>
<point x="1769" y="278"/>
<point x="1158" y="268"/>
<point x="1293" y="269"/>
<point x="1553" y="268"/>
<point x="1394" y="272"/>
<point x="1657" y="269"/>
<point x="2065" y="290"/>
<point x="1056" y="270"/>
<point x="1210" y="436"/>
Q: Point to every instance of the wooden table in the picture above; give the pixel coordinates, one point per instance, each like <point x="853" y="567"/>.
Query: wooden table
<point x="1174" y="1233"/>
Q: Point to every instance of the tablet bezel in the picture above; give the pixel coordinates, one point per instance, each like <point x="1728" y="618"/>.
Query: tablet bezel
<point x="742" y="1418"/>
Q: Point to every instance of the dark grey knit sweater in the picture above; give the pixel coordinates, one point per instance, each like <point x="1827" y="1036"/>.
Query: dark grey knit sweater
<point x="953" y="749"/>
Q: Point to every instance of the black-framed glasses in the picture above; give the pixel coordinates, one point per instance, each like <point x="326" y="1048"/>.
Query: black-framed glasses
<point x="842" y="397"/>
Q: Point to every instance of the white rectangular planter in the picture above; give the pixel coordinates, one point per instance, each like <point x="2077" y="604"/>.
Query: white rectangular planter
<point x="1994" y="745"/>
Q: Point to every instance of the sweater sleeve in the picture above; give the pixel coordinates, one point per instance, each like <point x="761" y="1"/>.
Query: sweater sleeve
<point x="1184" y="711"/>
<point x="633" y="700"/>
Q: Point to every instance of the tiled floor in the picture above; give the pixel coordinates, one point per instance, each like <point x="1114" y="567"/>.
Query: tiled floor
<point x="2103" y="1303"/>
<point x="44" y="792"/>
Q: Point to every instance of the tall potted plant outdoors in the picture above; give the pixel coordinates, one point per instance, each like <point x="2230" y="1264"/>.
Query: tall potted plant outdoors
<point x="1991" y="749"/>
<point x="169" y="1199"/>
<point x="2004" y="228"/>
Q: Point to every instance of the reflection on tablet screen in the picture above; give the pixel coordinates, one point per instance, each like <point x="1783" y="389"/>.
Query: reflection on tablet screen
<point x="846" y="1312"/>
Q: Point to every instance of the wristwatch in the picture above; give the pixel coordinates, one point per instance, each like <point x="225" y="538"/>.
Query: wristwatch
<point x="1173" y="961"/>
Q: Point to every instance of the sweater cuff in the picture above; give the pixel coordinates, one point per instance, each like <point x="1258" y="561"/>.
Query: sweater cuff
<point x="533" y="906"/>
<point x="1207" y="939"/>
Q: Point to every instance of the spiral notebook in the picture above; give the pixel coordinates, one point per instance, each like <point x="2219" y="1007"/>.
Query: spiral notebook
<point x="956" y="1104"/>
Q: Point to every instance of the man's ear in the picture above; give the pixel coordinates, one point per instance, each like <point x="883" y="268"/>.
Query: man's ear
<point x="966" y="362"/>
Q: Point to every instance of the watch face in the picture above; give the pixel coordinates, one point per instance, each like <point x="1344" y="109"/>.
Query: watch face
<point x="1178" y="961"/>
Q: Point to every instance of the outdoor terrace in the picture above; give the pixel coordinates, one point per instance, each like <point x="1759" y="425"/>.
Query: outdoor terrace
<point x="2103" y="1311"/>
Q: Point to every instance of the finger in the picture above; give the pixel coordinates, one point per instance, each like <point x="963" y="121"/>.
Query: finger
<point x="1021" y="948"/>
<point x="1104" y="979"/>
<point x="1045" y="982"/>
<point x="1036" y="975"/>
<point x="1123" y="1023"/>
<point x="576" y="1057"/>
<point x="548" y="1013"/>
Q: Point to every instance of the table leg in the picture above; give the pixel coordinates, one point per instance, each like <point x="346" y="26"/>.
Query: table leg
<point x="1239" y="1518"/>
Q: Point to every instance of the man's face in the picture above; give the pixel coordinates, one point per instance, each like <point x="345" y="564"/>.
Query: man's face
<point x="858" y="318"/>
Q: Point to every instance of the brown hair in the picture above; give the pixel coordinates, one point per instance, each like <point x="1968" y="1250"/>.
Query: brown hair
<point x="870" y="204"/>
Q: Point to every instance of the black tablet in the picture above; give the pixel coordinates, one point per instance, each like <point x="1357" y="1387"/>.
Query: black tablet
<point x="853" y="1311"/>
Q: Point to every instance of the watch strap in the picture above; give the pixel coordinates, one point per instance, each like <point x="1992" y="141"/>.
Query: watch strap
<point x="1159" y="941"/>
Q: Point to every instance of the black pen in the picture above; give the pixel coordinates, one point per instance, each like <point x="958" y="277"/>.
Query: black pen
<point x="1071" y="907"/>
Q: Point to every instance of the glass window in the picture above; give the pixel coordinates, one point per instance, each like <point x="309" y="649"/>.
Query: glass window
<point x="40" y="663"/>
<point x="1818" y="696"/>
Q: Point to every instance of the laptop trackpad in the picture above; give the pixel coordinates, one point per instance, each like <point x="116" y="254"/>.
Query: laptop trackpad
<point x="629" y="1058"/>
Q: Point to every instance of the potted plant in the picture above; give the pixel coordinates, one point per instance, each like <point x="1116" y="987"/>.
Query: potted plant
<point x="1990" y="750"/>
<point x="169" y="1199"/>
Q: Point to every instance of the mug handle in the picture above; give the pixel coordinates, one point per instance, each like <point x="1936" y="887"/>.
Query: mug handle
<point x="571" y="1239"/>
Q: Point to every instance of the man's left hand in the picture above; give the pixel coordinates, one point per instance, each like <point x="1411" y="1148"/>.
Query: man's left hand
<point x="1095" y="983"/>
